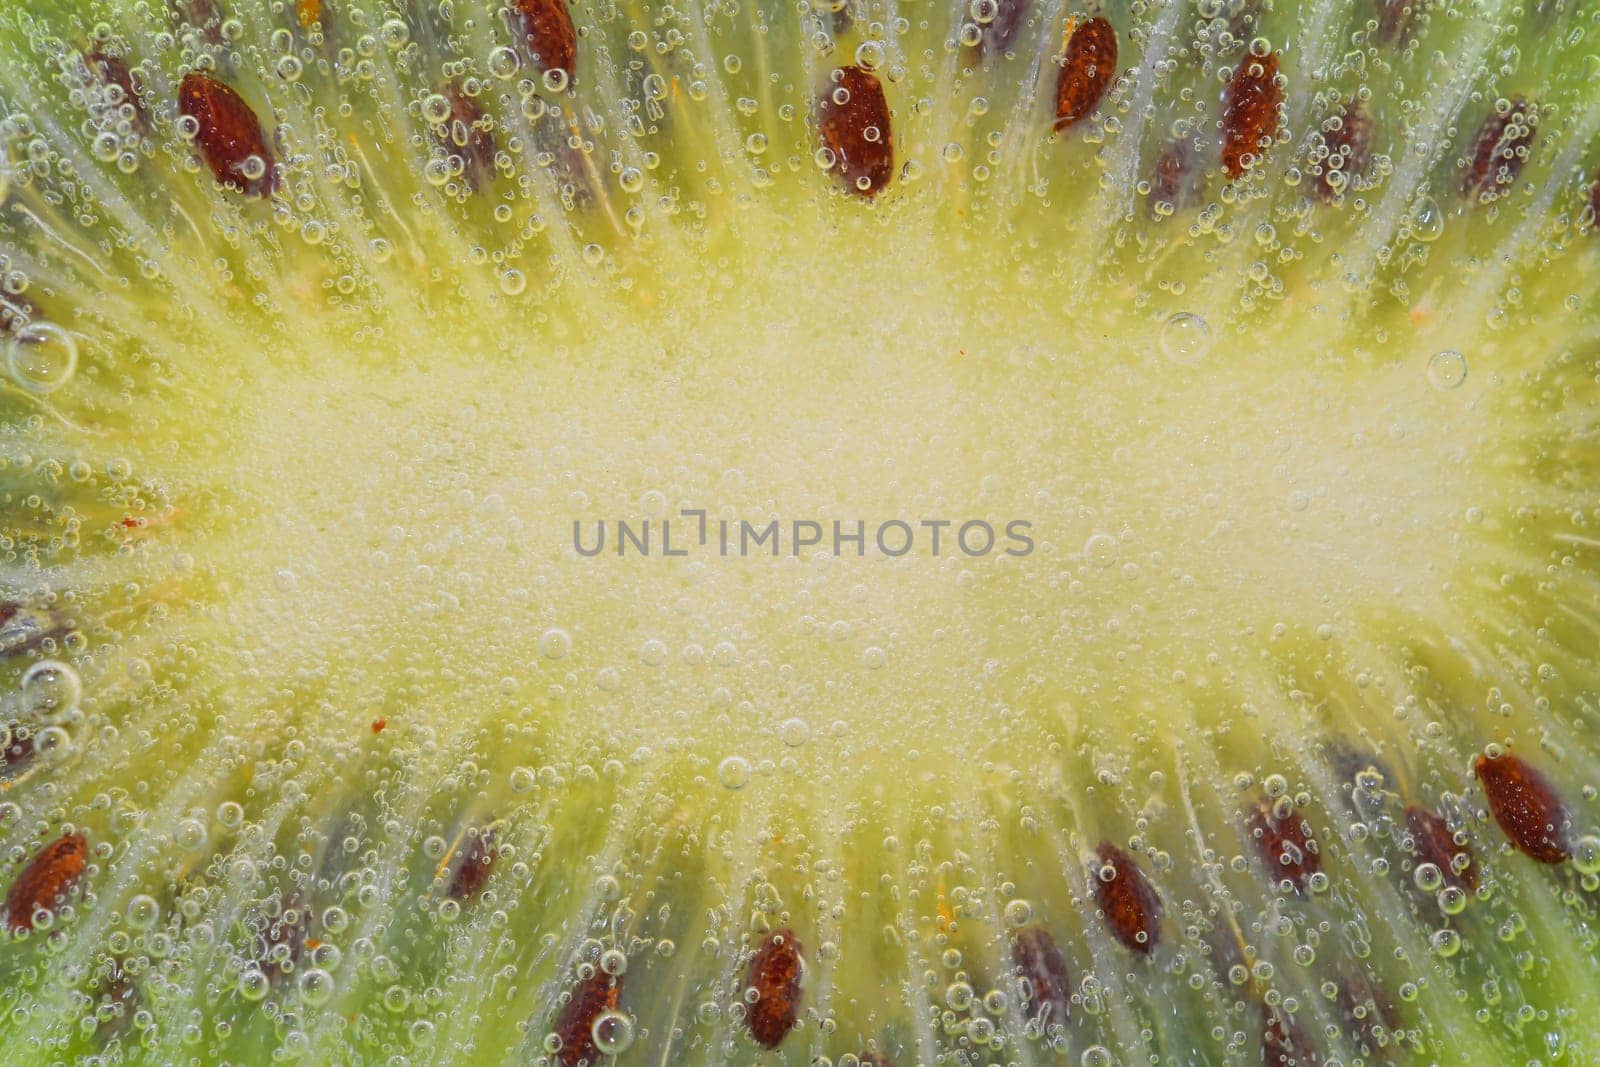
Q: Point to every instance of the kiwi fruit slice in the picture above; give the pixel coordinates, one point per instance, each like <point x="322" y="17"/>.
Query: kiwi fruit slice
<point x="840" y="532"/>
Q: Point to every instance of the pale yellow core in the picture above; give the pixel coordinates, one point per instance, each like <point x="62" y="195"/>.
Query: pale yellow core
<point x="404" y="537"/>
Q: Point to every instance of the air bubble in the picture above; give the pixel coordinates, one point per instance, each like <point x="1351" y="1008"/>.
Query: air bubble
<point x="53" y="743"/>
<point x="503" y="63"/>
<point x="1428" y="877"/>
<point x="1586" y="854"/>
<point x="435" y="108"/>
<point x="1427" y="222"/>
<point x="1018" y="913"/>
<point x="50" y="689"/>
<point x="612" y="1032"/>
<point x="734" y="772"/>
<point x="254" y="985"/>
<point x="1186" y="338"/>
<point x="41" y="357"/>
<point x="1101" y="549"/>
<point x="395" y="33"/>
<point x="189" y="834"/>
<point x="870" y="55"/>
<point x="1447" y="369"/>
<point x="316" y="987"/>
<point x="142" y="912"/>
<point x="1452" y="900"/>
<point x="555" y="644"/>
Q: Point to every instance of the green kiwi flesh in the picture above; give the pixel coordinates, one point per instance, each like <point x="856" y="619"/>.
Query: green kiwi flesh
<point x="333" y="331"/>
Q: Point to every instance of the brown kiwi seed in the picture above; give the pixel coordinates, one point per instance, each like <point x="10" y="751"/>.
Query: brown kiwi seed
<point x="1088" y="66"/>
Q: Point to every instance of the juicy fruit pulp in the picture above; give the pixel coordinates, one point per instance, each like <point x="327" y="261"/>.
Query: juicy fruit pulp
<point x="328" y="322"/>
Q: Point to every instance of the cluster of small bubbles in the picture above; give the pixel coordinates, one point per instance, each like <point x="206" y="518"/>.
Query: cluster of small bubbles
<point x="1185" y="338"/>
<point x="1447" y="369"/>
